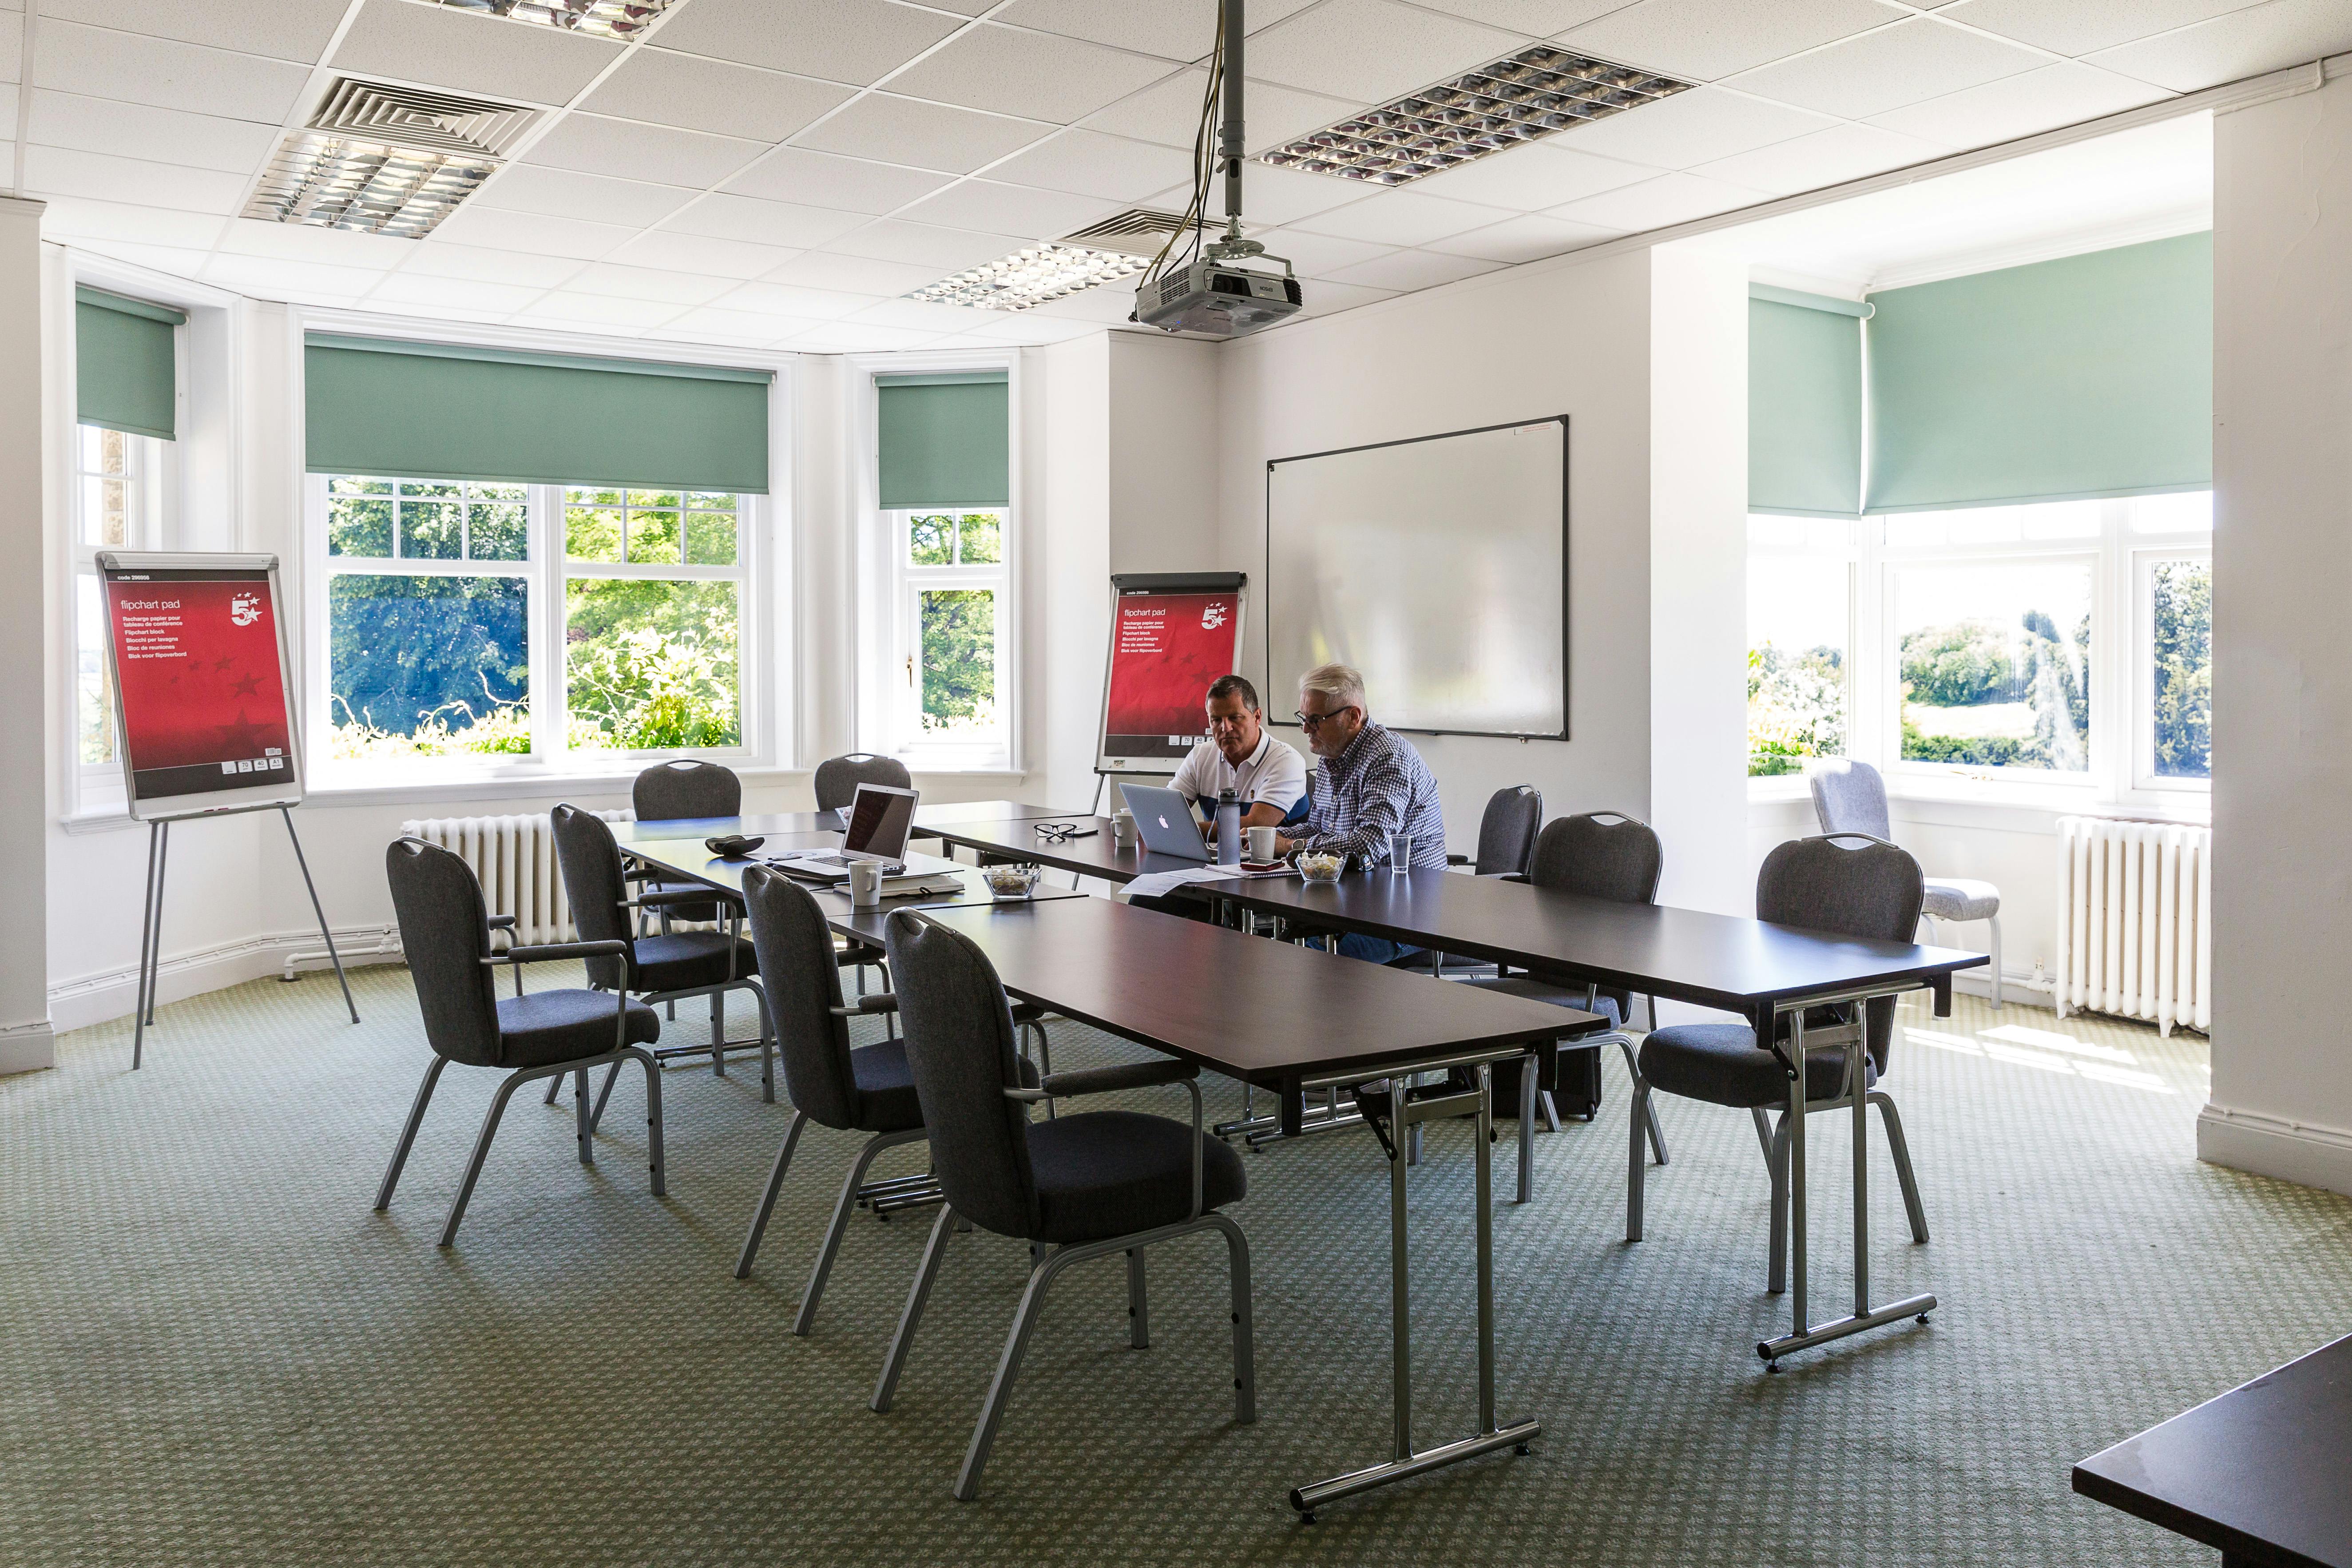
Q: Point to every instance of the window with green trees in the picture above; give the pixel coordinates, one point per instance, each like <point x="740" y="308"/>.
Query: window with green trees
<point x="951" y="650"/>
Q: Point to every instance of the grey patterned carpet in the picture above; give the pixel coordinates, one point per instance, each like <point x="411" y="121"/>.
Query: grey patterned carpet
<point x="215" y="1353"/>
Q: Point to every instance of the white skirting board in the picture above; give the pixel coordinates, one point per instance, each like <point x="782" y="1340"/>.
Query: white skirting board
<point x="94" y="998"/>
<point x="2271" y="1146"/>
<point x="28" y="1048"/>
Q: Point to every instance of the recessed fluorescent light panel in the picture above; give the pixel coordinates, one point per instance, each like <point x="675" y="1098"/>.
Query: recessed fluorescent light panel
<point x="378" y="159"/>
<point x="1030" y="277"/>
<point x="1524" y="97"/>
<point x="622" y="19"/>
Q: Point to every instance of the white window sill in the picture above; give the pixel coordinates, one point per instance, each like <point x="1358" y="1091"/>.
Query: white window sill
<point x="2023" y="805"/>
<point x="345" y="786"/>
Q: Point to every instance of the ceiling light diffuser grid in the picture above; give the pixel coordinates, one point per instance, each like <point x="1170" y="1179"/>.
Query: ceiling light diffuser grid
<point x="1032" y="276"/>
<point x="1524" y="98"/>
<point x="622" y="19"/>
<point x="335" y="182"/>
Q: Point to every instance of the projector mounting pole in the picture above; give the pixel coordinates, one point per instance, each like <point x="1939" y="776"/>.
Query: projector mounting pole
<point x="1229" y="143"/>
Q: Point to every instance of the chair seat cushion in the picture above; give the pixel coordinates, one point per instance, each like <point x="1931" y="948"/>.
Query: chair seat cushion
<point x="564" y="1026"/>
<point x="1959" y="900"/>
<point x="684" y="960"/>
<point x="885" y="1087"/>
<point x="1721" y="1064"/>
<point x="1112" y="1172"/>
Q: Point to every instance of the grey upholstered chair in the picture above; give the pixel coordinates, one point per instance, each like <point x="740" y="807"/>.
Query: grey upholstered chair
<point x="862" y="1088"/>
<point x="444" y="930"/>
<point x="1851" y="797"/>
<point x="668" y="967"/>
<point x="1082" y="1187"/>
<point x="1598" y="854"/>
<point x="1855" y="885"/>
<point x="1506" y="840"/>
<point x="683" y="789"/>
<point x="837" y="778"/>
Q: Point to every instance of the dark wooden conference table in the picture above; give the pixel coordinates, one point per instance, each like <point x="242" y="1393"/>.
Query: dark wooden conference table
<point x="2258" y="1473"/>
<point x="1762" y="972"/>
<point x="1265" y="1013"/>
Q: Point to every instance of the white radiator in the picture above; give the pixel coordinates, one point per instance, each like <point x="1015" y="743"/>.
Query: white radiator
<point x="514" y="858"/>
<point x="2135" y="920"/>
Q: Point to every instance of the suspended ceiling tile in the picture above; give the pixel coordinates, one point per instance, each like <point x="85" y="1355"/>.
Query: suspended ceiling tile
<point x="1172" y="29"/>
<point x="565" y="192"/>
<point x="719" y="325"/>
<point x="1410" y="269"/>
<point x="2244" y="43"/>
<point x="926" y="245"/>
<point x="1169" y="112"/>
<point x="2082" y="27"/>
<point x="275" y="278"/>
<point x="828" y="180"/>
<point x="920" y="313"/>
<point x="1694" y="127"/>
<point x="80" y="218"/>
<point x="2063" y="94"/>
<point x="1656" y="204"/>
<point x="1328" y="299"/>
<point x="1094" y="164"/>
<point x="1845" y="151"/>
<point x="161" y="257"/>
<point x="648" y="283"/>
<point x="1028" y="327"/>
<point x="438" y="258"/>
<point x="455" y="293"/>
<point x="855" y="41"/>
<point x="1039" y="75"/>
<point x="1886" y="68"/>
<point x="663" y="87"/>
<point x="599" y="310"/>
<point x="130" y="68"/>
<point x="792" y="300"/>
<point x="995" y="209"/>
<point x="1536" y="19"/>
<point x="281" y="29"/>
<point x="440" y="46"/>
<point x="850" y="338"/>
<point x="1530" y="178"/>
<point x="1277" y="196"/>
<point x="137" y="181"/>
<point x="1528" y="238"/>
<point x="910" y="131"/>
<point x="497" y="229"/>
<point x="628" y="150"/>
<point x="1317" y="255"/>
<point x="701" y="253"/>
<point x="136" y="129"/>
<point x="760" y="222"/>
<point x="1373" y="50"/>
<point x="302" y="242"/>
<point x="1402" y="218"/>
<point x="854" y="275"/>
<point x="1704" y="40"/>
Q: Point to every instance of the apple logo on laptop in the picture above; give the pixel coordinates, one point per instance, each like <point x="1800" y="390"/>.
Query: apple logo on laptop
<point x="1163" y="822"/>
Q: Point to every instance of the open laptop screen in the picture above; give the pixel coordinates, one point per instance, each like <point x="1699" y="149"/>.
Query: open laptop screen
<point x="879" y="820"/>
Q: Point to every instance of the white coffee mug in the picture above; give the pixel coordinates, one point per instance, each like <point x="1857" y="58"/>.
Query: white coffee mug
<point x="1122" y="826"/>
<point x="1261" y="844"/>
<point x="864" y="884"/>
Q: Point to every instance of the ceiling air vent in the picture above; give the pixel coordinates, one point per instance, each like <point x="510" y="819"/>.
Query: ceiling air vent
<point x="1139" y="231"/>
<point x="379" y="159"/>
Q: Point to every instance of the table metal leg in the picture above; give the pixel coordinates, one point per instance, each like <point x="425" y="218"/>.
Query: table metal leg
<point x="1405" y="1459"/>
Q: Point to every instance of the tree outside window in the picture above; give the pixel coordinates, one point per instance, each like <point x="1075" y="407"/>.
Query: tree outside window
<point x="952" y="633"/>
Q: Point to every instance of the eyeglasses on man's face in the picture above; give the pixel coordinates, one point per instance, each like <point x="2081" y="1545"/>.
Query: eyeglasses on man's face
<point x="1315" y="721"/>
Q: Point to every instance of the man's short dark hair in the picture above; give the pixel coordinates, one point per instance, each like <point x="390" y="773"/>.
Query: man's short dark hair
<point x="1234" y="686"/>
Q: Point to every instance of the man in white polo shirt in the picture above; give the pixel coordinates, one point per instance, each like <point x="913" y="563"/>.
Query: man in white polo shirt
<point x="1265" y="775"/>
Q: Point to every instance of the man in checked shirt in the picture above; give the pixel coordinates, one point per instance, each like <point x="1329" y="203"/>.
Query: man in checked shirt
<point x="1369" y="784"/>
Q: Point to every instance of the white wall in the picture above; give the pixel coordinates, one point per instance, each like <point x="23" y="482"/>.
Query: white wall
<point x="28" y="556"/>
<point x="2281" y="1099"/>
<point x="1569" y="338"/>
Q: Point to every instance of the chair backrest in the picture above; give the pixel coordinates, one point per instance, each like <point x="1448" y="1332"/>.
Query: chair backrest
<point x="1850" y="797"/>
<point x="444" y="930"/>
<point x="591" y="862"/>
<point x="1855" y="884"/>
<point x="803" y="984"/>
<point x="960" y="1043"/>
<point x="1601" y="854"/>
<point x="687" y="788"/>
<point x="837" y="778"/>
<point x="1506" y="834"/>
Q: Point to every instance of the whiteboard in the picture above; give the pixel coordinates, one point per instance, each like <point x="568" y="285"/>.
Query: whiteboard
<point x="1438" y="567"/>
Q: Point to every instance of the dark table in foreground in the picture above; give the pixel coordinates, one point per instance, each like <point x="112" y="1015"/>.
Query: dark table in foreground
<point x="2263" y="1472"/>
<point x="1267" y="1013"/>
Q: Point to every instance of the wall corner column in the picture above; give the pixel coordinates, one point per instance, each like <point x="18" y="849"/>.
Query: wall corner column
<point x="27" y="623"/>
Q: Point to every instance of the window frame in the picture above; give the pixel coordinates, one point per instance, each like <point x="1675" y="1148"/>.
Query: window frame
<point x="2145" y="559"/>
<point x="151" y="473"/>
<point x="909" y="582"/>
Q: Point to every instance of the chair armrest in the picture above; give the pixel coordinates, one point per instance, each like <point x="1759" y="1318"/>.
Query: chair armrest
<point x="1452" y="859"/>
<point x="1511" y="877"/>
<point x="654" y="898"/>
<point x="880" y="1002"/>
<point x="546" y="952"/>
<point x="502" y="922"/>
<point x="1126" y="1075"/>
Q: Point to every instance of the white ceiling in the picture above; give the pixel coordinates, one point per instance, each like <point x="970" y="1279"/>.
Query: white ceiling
<point x="778" y="173"/>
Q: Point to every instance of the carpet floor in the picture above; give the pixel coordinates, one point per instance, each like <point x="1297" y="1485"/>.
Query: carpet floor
<point x="216" y="1352"/>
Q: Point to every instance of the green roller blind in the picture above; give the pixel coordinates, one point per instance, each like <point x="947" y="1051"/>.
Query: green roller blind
<point x="2087" y="376"/>
<point x="945" y="440"/>
<point x="124" y="371"/>
<point x="1804" y="408"/>
<point x="428" y="411"/>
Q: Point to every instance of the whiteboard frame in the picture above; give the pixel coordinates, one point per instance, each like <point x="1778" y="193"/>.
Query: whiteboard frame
<point x="1122" y="583"/>
<point x="211" y="803"/>
<point x="1567" y="603"/>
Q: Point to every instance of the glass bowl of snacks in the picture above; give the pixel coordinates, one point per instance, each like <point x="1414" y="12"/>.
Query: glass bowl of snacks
<point x="1321" y="867"/>
<point x="1011" y="881"/>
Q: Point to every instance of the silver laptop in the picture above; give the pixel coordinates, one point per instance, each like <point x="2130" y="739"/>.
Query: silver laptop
<point x="880" y="817"/>
<point x="1164" y="819"/>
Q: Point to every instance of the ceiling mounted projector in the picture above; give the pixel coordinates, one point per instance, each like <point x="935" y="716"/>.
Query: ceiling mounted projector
<point x="1208" y="291"/>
